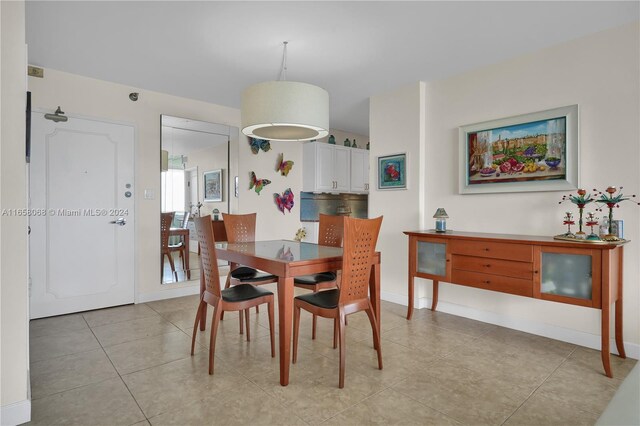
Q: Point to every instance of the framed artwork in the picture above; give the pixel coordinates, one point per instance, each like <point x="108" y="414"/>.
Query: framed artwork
<point x="531" y="152"/>
<point x="212" y="186"/>
<point x="392" y="171"/>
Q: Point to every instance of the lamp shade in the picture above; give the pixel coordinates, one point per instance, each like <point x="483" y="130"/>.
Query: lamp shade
<point x="441" y="214"/>
<point x="285" y="111"/>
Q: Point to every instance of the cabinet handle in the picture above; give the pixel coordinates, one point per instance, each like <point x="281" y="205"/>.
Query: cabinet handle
<point x="535" y="272"/>
<point x="486" y="249"/>
<point x="486" y="282"/>
<point x="487" y="265"/>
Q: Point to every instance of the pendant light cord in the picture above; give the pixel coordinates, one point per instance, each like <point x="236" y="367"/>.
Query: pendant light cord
<point x="283" y="70"/>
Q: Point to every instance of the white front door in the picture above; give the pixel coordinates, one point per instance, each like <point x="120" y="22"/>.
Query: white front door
<point x="82" y="215"/>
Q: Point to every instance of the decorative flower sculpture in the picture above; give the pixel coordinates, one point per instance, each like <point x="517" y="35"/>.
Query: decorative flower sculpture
<point x="611" y="200"/>
<point x="581" y="200"/>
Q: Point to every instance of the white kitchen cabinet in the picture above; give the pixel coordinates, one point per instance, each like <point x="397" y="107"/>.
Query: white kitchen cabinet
<point x="327" y="168"/>
<point x="359" y="171"/>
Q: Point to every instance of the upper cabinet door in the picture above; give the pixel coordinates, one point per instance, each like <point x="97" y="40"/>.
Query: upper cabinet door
<point x="359" y="170"/>
<point x="327" y="168"/>
<point x="342" y="168"/>
<point x="325" y="165"/>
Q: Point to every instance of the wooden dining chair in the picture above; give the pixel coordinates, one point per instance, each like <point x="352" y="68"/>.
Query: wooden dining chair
<point x="239" y="298"/>
<point x="241" y="228"/>
<point x="360" y="237"/>
<point x="182" y="219"/>
<point x="165" y="224"/>
<point x="330" y="233"/>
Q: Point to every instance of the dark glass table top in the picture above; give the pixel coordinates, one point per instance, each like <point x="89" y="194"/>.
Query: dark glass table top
<point x="282" y="250"/>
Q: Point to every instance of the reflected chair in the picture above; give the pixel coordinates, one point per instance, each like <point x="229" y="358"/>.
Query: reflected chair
<point x="180" y="220"/>
<point x="165" y="224"/>
<point x="360" y="237"/>
<point x="241" y="228"/>
<point x="239" y="298"/>
<point x="330" y="233"/>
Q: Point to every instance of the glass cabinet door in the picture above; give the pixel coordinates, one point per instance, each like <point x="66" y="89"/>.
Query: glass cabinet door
<point x="570" y="275"/>
<point x="432" y="258"/>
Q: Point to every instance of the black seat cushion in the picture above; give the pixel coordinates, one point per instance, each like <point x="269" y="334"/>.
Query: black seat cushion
<point x="242" y="292"/>
<point x="324" y="299"/>
<point x="249" y="275"/>
<point x="322" y="277"/>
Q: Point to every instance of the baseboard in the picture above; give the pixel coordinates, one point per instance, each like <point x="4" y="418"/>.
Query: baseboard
<point x="172" y="292"/>
<point x="16" y="413"/>
<point x="575" y="337"/>
<point x="168" y="294"/>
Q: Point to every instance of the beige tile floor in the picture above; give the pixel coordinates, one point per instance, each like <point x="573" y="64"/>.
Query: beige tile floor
<point x="131" y="365"/>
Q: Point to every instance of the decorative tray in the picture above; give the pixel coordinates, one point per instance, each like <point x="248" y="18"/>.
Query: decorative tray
<point x="578" y="240"/>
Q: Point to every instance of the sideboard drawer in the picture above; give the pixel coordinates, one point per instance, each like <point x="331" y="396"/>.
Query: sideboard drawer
<point x="493" y="282"/>
<point x="507" y="268"/>
<point x="519" y="252"/>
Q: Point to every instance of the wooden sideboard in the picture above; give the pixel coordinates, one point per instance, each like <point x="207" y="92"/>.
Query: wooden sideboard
<point x="578" y="273"/>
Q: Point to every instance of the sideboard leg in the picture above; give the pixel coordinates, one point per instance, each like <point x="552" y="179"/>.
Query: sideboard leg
<point x="410" y="304"/>
<point x="605" y="350"/>
<point x="434" y="299"/>
<point x="618" y="317"/>
<point x="619" y="340"/>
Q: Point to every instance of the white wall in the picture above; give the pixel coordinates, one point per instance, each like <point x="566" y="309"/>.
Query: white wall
<point x="396" y="125"/>
<point x="600" y="73"/>
<point x="102" y="99"/>
<point x="14" y="336"/>
<point x="271" y="223"/>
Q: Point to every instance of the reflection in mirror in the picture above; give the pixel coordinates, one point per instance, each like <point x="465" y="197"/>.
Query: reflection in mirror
<point x="195" y="181"/>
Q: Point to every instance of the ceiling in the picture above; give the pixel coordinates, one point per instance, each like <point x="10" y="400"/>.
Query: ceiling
<point x="211" y="51"/>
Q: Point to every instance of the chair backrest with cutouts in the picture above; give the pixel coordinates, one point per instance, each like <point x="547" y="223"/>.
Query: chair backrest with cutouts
<point x="241" y="228"/>
<point x="165" y="224"/>
<point x="360" y="238"/>
<point x="330" y="231"/>
<point x="208" y="258"/>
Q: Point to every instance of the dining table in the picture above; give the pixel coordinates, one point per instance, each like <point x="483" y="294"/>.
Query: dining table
<point x="287" y="260"/>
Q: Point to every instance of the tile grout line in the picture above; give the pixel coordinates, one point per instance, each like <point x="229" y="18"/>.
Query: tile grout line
<point x="540" y="385"/>
<point x="117" y="372"/>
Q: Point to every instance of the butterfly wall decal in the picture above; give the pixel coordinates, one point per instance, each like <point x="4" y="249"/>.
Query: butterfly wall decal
<point x="258" y="184"/>
<point x="284" y="201"/>
<point x="284" y="167"/>
<point x="259" y="144"/>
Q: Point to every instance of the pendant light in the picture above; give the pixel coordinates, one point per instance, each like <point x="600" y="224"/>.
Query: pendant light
<point x="285" y="110"/>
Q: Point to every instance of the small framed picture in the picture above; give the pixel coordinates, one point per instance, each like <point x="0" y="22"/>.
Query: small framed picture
<point x="392" y="171"/>
<point x="212" y="186"/>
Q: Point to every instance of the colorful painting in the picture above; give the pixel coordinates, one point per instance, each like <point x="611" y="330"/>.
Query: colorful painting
<point x="503" y="154"/>
<point x="392" y="172"/>
<point x="212" y="186"/>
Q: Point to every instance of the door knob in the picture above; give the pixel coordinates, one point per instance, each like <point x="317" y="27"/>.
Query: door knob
<point x="120" y="221"/>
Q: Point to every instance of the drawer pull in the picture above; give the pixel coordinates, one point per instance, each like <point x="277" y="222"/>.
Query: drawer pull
<point x="486" y="282"/>
<point x="487" y="265"/>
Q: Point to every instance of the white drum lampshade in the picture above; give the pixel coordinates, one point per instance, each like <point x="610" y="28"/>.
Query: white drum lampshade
<point x="285" y="111"/>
